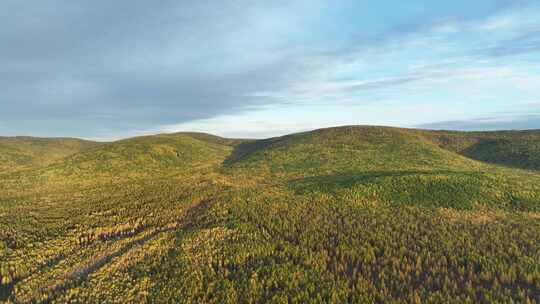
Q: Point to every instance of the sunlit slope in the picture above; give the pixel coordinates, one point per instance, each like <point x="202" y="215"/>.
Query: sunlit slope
<point x="386" y="165"/>
<point x="125" y="161"/>
<point x="209" y="138"/>
<point x="142" y="156"/>
<point x="519" y="149"/>
<point x="74" y="216"/>
<point x="24" y="153"/>
<point x="347" y="149"/>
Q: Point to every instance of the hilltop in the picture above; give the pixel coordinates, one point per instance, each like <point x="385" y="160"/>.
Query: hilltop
<point x="520" y="149"/>
<point x="348" y="148"/>
<point x="346" y="214"/>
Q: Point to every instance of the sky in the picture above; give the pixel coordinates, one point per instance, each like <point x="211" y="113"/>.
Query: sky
<point x="106" y="70"/>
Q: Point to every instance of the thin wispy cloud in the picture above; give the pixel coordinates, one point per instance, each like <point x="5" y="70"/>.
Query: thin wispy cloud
<point x="504" y="122"/>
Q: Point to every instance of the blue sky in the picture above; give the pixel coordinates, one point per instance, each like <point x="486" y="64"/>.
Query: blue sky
<point x="113" y="69"/>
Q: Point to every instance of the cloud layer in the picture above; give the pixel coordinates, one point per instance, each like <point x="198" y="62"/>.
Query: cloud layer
<point x="108" y="69"/>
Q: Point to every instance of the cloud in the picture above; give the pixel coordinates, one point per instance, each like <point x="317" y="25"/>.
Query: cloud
<point x="506" y="122"/>
<point x="497" y="24"/>
<point x="351" y="86"/>
<point x="136" y="64"/>
<point x="420" y="78"/>
<point x="526" y="43"/>
<point x="113" y="68"/>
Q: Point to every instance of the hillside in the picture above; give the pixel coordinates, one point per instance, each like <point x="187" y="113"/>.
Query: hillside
<point x="387" y="165"/>
<point x="520" y="149"/>
<point x="130" y="160"/>
<point x="364" y="145"/>
<point x="24" y="153"/>
<point x="349" y="214"/>
<point x="141" y="156"/>
<point x="348" y="149"/>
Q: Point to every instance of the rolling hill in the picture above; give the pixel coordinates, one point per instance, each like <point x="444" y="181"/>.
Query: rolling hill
<point x="24" y="153"/>
<point x="348" y="148"/>
<point x="141" y="156"/>
<point x="368" y="144"/>
<point x="351" y="214"/>
<point x="388" y="165"/>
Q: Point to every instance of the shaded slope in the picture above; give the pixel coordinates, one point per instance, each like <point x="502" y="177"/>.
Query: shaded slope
<point x="24" y="153"/>
<point x="465" y="190"/>
<point x="520" y="149"/>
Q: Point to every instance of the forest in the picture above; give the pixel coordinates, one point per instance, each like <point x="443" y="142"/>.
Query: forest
<point x="355" y="214"/>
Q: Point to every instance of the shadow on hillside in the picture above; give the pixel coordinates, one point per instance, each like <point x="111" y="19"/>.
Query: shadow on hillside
<point x="503" y="152"/>
<point x="242" y="150"/>
<point x="5" y="291"/>
<point x="247" y="147"/>
<point x="349" y="179"/>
